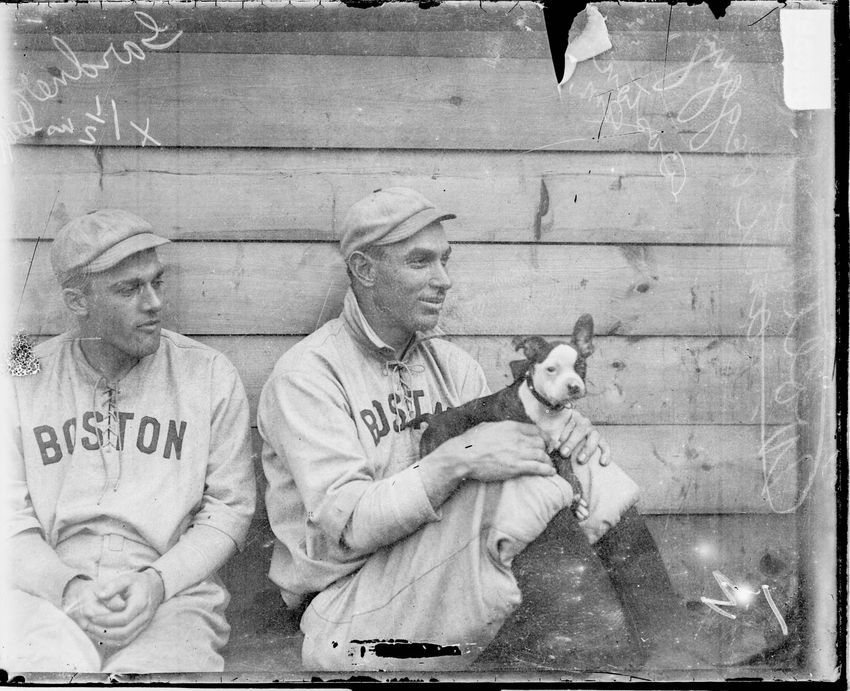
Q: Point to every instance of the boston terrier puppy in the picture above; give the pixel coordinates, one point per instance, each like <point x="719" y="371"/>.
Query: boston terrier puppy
<point x="545" y="385"/>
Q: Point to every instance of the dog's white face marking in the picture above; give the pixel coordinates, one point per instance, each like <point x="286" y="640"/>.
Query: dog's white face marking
<point x="556" y="377"/>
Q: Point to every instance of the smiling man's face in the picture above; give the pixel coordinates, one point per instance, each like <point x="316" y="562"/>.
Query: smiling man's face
<point x="411" y="282"/>
<point x="125" y="306"/>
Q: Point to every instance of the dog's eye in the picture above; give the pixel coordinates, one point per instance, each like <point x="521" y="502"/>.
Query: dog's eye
<point x="551" y="369"/>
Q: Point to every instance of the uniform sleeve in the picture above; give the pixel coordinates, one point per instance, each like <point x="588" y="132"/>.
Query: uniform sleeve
<point x="368" y="527"/>
<point x="33" y="565"/>
<point x="474" y="384"/>
<point x="229" y="495"/>
<point x="305" y="420"/>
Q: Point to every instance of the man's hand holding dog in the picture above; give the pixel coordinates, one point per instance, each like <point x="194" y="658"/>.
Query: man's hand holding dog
<point x="489" y="452"/>
<point x="581" y="438"/>
<point x="494" y="451"/>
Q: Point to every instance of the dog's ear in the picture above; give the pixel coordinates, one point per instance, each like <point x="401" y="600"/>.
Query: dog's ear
<point x="519" y="368"/>
<point x="583" y="335"/>
<point x="535" y="348"/>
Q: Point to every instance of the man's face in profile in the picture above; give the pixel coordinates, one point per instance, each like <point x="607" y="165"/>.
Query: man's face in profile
<point x="125" y="305"/>
<point x="411" y="280"/>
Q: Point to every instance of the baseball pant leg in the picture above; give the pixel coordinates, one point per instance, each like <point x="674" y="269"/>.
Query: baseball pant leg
<point x="38" y="637"/>
<point x="609" y="493"/>
<point x="185" y="635"/>
<point x="435" y="599"/>
<point x="187" y="630"/>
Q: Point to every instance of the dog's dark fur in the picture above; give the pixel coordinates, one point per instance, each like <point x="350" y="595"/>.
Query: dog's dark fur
<point x="506" y="404"/>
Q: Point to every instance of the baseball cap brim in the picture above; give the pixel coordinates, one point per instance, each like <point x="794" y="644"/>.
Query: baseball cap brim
<point x="413" y="225"/>
<point x="125" y="248"/>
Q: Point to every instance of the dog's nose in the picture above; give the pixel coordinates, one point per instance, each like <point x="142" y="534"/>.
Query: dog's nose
<point x="574" y="389"/>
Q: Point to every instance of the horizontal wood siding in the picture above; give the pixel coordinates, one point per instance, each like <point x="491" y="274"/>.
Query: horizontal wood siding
<point x="701" y="469"/>
<point x="324" y="101"/>
<point x="270" y="194"/>
<point x="631" y="44"/>
<point x="632" y="381"/>
<point x="521" y="20"/>
<point x="648" y="192"/>
<point x="217" y="287"/>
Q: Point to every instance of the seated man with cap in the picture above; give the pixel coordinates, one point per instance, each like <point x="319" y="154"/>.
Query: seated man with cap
<point x="128" y="473"/>
<point x="390" y="549"/>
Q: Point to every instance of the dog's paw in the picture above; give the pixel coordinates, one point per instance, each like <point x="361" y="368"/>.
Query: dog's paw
<point x="579" y="508"/>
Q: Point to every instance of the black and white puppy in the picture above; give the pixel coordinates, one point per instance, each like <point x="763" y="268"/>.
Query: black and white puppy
<point x="545" y="385"/>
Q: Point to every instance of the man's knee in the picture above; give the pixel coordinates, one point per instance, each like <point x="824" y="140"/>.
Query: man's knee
<point x="525" y="505"/>
<point x="185" y="635"/>
<point x="39" y="637"/>
<point x="163" y="656"/>
<point x="609" y="493"/>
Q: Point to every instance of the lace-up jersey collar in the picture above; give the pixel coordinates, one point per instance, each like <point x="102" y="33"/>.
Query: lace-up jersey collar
<point x="400" y="370"/>
<point x="363" y="332"/>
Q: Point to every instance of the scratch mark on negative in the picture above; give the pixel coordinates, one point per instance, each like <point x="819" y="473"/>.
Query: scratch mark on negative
<point x="768" y="14"/>
<point x="666" y="43"/>
<point x="546" y="146"/>
<point x="607" y="103"/>
<point x="324" y="304"/>
<point x="601" y="93"/>
<point x="34" y="250"/>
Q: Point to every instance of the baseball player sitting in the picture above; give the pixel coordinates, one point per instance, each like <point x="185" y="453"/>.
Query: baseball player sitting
<point x="386" y="546"/>
<point x="129" y="473"/>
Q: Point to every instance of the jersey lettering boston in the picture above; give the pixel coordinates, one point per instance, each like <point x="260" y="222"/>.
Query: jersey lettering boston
<point x="376" y="420"/>
<point x="149" y="436"/>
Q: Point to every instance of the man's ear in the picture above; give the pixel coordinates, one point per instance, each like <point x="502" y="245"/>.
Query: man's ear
<point x="362" y="268"/>
<point x="583" y="335"/>
<point x="77" y="301"/>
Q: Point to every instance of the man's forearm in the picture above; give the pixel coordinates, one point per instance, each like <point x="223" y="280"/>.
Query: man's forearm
<point x="395" y="507"/>
<point x="441" y="472"/>
<point x="36" y="568"/>
<point x="199" y="554"/>
<point x="388" y="510"/>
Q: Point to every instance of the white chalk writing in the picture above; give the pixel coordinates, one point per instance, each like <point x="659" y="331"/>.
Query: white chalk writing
<point x="739" y="596"/>
<point x="805" y="382"/>
<point x="28" y="91"/>
<point x="144" y="132"/>
<point x="97" y="117"/>
<point x="621" y="115"/>
<point x="623" y="105"/>
<point x="724" y="84"/>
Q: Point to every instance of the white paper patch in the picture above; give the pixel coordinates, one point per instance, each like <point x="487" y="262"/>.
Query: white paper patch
<point x="807" y="62"/>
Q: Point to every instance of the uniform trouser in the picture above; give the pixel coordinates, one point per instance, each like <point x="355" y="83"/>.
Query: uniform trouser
<point x="450" y="583"/>
<point x="184" y="635"/>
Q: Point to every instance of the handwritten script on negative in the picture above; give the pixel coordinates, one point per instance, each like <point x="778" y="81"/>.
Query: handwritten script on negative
<point x="103" y="115"/>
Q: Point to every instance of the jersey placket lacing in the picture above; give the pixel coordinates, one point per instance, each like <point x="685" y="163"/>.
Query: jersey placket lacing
<point x="109" y="438"/>
<point x="402" y="382"/>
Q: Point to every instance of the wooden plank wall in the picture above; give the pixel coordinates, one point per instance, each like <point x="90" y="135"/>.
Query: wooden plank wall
<point x="649" y="193"/>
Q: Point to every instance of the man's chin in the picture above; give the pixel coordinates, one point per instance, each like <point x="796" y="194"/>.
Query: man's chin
<point x="428" y="322"/>
<point x="147" y="346"/>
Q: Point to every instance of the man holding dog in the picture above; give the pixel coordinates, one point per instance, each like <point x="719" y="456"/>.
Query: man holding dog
<point x="385" y="545"/>
<point x="129" y="473"/>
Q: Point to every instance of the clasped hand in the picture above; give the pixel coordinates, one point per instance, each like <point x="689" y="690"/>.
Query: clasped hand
<point x="115" y="612"/>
